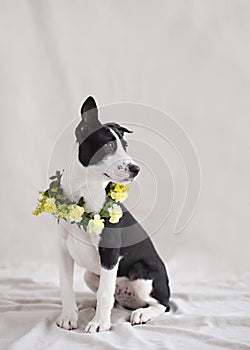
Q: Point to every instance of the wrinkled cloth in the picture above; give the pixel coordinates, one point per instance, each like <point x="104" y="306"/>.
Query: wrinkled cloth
<point x="205" y="314"/>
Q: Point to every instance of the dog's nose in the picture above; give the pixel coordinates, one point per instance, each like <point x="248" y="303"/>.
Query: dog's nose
<point x="134" y="169"/>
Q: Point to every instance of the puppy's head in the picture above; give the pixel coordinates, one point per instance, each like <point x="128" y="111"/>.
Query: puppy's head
<point x="103" y="147"/>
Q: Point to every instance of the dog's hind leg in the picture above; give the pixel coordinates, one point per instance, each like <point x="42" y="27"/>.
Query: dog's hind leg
<point x="143" y="315"/>
<point x="157" y="300"/>
<point x="92" y="280"/>
<point x="69" y="316"/>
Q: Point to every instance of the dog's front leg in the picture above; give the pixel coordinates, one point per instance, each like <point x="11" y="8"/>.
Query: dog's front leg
<point x="69" y="315"/>
<point x="104" y="295"/>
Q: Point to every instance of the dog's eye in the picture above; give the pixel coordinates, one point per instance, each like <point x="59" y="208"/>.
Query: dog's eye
<point x="110" y="145"/>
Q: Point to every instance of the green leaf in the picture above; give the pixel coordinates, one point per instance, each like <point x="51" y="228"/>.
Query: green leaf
<point x="89" y="215"/>
<point x="81" y="202"/>
<point x="84" y="222"/>
<point x="104" y="213"/>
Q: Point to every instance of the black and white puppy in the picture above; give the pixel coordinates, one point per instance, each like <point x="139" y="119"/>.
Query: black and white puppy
<point x="122" y="264"/>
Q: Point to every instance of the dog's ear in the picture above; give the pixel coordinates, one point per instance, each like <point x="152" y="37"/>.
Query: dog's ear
<point x="89" y="112"/>
<point x="121" y="129"/>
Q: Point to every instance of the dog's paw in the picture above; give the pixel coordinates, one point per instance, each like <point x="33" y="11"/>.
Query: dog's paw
<point x="68" y="320"/>
<point x="140" y="316"/>
<point x="97" y="326"/>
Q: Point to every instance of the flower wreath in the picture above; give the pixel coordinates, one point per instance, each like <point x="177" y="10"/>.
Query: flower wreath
<point x="55" y="202"/>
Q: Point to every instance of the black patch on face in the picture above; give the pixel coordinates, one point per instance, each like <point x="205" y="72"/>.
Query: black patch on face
<point x="96" y="141"/>
<point x="96" y="146"/>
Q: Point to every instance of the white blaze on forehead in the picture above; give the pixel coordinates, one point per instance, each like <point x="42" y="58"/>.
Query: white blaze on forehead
<point x="119" y="143"/>
<point x="120" y="154"/>
<point x="116" y="164"/>
<point x="120" y="157"/>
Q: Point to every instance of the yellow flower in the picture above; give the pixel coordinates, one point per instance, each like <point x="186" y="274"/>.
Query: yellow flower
<point x="117" y="187"/>
<point x="36" y="212"/>
<point x="119" y="192"/>
<point x="119" y="196"/>
<point x="40" y="204"/>
<point x="75" y="213"/>
<point x="63" y="211"/>
<point x="96" y="225"/>
<point x="50" y="205"/>
<point x="115" y="213"/>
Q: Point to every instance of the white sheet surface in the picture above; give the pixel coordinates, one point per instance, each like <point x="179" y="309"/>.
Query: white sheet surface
<point x="207" y="313"/>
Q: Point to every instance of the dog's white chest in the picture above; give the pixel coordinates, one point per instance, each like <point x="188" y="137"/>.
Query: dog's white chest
<point x="83" y="247"/>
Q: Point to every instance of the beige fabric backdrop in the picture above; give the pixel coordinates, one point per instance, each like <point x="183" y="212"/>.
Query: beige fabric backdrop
<point x="188" y="58"/>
